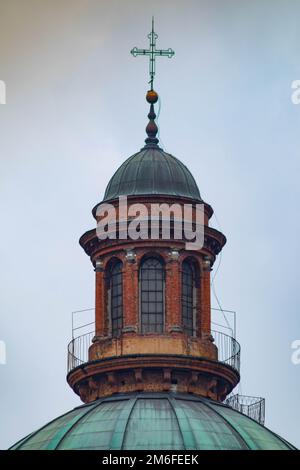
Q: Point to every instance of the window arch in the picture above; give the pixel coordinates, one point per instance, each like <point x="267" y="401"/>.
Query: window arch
<point x="152" y="295"/>
<point x="115" y="298"/>
<point x="189" y="299"/>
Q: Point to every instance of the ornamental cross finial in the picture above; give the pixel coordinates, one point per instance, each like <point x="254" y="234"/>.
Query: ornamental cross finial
<point x="152" y="52"/>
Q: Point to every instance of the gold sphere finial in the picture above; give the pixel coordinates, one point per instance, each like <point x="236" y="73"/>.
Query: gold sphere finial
<point x="151" y="96"/>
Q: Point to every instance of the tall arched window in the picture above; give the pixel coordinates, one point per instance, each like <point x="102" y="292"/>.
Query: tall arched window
<point x="152" y="295"/>
<point x="116" y="298"/>
<point x="189" y="298"/>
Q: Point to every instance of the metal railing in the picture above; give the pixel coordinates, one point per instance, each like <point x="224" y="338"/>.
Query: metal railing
<point x="78" y="350"/>
<point x="228" y="350"/>
<point x="254" y="407"/>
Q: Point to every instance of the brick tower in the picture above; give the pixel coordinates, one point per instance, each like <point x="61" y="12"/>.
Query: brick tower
<point x="153" y="313"/>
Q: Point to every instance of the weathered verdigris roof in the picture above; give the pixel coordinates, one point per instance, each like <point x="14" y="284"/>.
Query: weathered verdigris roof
<point x="151" y="421"/>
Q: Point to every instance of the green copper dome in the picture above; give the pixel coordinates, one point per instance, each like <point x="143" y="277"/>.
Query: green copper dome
<point x="151" y="421"/>
<point x="152" y="171"/>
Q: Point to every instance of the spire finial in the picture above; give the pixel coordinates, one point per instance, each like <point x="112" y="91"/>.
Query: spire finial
<point x="152" y="52"/>
<point x="152" y="96"/>
<point x="151" y="128"/>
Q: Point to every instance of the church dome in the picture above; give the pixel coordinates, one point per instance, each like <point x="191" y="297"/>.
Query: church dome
<point x="151" y="421"/>
<point x="152" y="171"/>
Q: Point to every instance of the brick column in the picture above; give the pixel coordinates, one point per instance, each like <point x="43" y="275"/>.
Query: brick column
<point x="130" y="297"/>
<point x="100" y="313"/>
<point x="173" y="297"/>
<point x="205" y="307"/>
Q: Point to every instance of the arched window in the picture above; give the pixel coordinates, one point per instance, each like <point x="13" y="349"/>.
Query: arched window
<point x="116" y="298"/>
<point x="188" y="298"/>
<point x="152" y="295"/>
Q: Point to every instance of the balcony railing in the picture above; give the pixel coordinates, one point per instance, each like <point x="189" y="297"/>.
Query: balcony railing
<point x="254" y="407"/>
<point x="78" y="350"/>
<point x="228" y="350"/>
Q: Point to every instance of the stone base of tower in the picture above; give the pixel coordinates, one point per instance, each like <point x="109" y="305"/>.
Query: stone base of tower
<point x="125" y="372"/>
<point x="153" y="343"/>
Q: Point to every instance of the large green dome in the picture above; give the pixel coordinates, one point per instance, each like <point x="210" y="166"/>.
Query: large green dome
<point x="151" y="421"/>
<point x="152" y="171"/>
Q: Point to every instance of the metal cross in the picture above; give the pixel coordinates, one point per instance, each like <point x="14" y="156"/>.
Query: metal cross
<point x="152" y="52"/>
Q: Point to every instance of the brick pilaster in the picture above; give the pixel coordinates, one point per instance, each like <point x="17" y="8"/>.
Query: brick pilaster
<point x="100" y="314"/>
<point x="173" y="296"/>
<point x="205" y="310"/>
<point x="130" y="297"/>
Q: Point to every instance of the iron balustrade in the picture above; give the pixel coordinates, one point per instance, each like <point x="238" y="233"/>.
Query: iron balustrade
<point x="78" y="350"/>
<point x="228" y="350"/>
<point x="254" y="407"/>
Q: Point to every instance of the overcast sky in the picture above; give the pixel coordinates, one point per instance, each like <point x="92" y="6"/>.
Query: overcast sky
<point x="76" y="110"/>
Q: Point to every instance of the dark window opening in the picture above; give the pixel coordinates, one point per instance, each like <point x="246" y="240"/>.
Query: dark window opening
<point x="152" y="296"/>
<point x="188" y="298"/>
<point x="116" y="299"/>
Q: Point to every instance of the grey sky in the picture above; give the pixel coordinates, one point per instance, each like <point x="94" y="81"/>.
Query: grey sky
<point x="76" y="109"/>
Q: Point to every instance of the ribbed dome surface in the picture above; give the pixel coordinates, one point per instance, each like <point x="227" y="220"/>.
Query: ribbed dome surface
<point x="151" y="421"/>
<point x="152" y="171"/>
